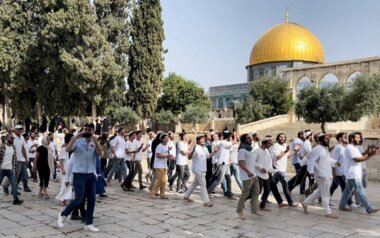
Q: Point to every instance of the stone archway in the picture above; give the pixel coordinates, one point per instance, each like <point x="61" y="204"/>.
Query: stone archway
<point x="302" y="83"/>
<point x="328" y="80"/>
<point x="351" y="78"/>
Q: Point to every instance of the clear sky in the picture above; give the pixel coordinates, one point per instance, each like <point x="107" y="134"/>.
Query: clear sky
<point x="210" y="41"/>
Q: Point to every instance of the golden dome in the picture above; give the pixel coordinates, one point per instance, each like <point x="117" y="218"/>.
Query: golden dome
<point x="287" y="42"/>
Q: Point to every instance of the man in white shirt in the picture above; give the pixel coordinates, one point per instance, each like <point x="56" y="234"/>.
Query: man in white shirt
<point x="31" y="148"/>
<point x="264" y="168"/>
<point x="322" y="171"/>
<point x="302" y="149"/>
<point x="222" y="160"/>
<point x="130" y="154"/>
<point x="338" y="172"/>
<point x="22" y="159"/>
<point x="139" y="145"/>
<point x="54" y="151"/>
<point x="255" y="141"/>
<point x="118" y="151"/>
<point x="182" y="162"/>
<point x="8" y="160"/>
<point x="152" y="136"/>
<point x="280" y="154"/>
<point x="172" y="163"/>
<point x="353" y="172"/>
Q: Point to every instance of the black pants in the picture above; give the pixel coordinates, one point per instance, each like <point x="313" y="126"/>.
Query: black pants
<point x="339" y="181"/>
<point x="128" y="181"/>
<point x="299" y="179"/>
<point x="103" y="164"/>
<point x="208" y="172"/>
<point x="280" y="177"/>
<point x="171" y="168"/>
<point x="264" y="184"/>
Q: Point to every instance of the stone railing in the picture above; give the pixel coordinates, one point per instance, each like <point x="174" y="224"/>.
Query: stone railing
<point x="263" y="124"/>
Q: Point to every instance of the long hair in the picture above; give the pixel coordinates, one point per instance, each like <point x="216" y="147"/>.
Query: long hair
<point x="278" y="136"/>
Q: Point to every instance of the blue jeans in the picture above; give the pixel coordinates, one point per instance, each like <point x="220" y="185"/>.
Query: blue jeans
<point x="354" y="186"/>
<point x="236" y="173"/>
<point x="118" y="163"/>
<point x="83" y="184"/>
<point x="22" y="173"/>
<point x="12" y="179"/>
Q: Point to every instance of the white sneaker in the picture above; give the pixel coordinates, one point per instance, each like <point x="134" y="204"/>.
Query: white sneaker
<point x="61" y="220"/>
<point x="354" y="205"/>
<point x="91" y="228"/>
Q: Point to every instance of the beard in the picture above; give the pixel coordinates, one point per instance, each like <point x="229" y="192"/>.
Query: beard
<point x="325" y="144"/>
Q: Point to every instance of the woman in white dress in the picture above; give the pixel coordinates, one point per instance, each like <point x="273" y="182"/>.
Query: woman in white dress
<point x="65" y="194"/>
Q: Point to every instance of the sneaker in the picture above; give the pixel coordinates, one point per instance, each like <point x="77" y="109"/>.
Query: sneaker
<point x="17" y="202"/>
<point x="91" y="228"/>
<point x="354" y="205"/>
<point x="373" y="211"/>
<point x="75" y="217"/>
<point x="61" y="220"/>
<point x="103" y="195"/>
<point x="143" y="187"/>
<point x="6" y="190"/>
<point x="124" y="187"/>
<point x="27" y="190"/>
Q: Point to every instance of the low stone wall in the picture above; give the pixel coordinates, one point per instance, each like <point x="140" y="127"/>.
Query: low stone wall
<point x="263" y="124"/>
<point x="365" y="123"/>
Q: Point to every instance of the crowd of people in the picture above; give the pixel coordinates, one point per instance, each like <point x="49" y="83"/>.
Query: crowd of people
<point x="86" y="163"/>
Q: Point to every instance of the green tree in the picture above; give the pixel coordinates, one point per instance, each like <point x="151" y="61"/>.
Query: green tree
<point x="165" y="117"/>
<point x="112" y="16"/>
<point x="178" y="93"/>
<point x="146" y="57"/>
<point x="125" y="115"/>
<point x="195" y="114"/>
<point x="322" y="105"/>
<point x="363" y="97"/>
<point x="268" y="97"/>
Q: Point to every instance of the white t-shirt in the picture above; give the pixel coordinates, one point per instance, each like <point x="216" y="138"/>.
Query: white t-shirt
<point x="8" y="156"/>
<point x="53" y="148"/>
<point x="173" y="148"/>
<point x="282" y="163"/>
<point x="161" y="163"/>
<point x="64" y="155"/>
<point x="29" y="145"/>
<point x="305" y="152"/>
<point x="338" y="155"/>
<point x="263" y="159"/>
<point x="119" y="144"/>
<point x="234" y="153"/>
<point x="149" y="149"/>
<point x="353" y="169"/>
<point x="323" y="162"/>
<point x="182" y="159"/>
<point x="130" y="146"/>
<point x="18" y="143"/>
<point x="250" y="163"/>
<point x="224" y="148"/>
<point x="216" y="156"/>
<point x="138" y="155"/>
<point x="200" y="156"/>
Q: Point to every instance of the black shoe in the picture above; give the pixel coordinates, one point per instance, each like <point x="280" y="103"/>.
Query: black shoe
<point x="6" y="190"/>
<point x="75" y="217"/>
<point x="103" y="195"/>
<point x="143" y="187"/>
<point x="17" y="202"/>
<point x="124" y="187"/>
<point x="133" y="186"/>
<point x="27" y="190"/>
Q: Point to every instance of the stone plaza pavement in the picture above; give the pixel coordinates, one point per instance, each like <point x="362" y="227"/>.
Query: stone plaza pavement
<point x="134" y="214"/>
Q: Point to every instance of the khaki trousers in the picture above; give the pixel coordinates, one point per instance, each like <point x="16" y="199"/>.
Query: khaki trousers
<point x="250" y="186"/>
<point x="161" y="179"/>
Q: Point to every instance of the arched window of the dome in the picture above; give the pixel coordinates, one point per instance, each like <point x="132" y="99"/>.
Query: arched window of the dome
<point x="328" y="80"/>
<point x="352" y="77"/>
<point x="304" y="82"/>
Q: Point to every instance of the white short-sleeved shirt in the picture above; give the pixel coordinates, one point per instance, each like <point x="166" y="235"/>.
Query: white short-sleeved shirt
<point x="161" y="163"/>
<point x="19" y="143"/>
<point x="250" y="163"/>
<point x="224" y="148"/>
<point x="8" y="158"/>
<point x="182" y="159"/>
<point x="119" y="143"/>
<point x="234" y="153"/>
<point x="138" y="155"/>
<point x="200" y="156"/>
<point x="173" y="148"/>
<point x="305" y="152"/>
<point x="282" y="163"/>
<point x="353" y="169"/>
<point x="338" y="155"/>
<point x="130" y="146"/>
<point x="263" y="159"/>
<point x="29" y="145"/>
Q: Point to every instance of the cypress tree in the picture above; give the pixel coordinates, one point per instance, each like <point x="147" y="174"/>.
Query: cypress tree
<point x="145" y="57"/>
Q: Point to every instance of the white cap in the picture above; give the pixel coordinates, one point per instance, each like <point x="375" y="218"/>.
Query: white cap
<point x="307" y="133"/>
<point x="17" y="127"/>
